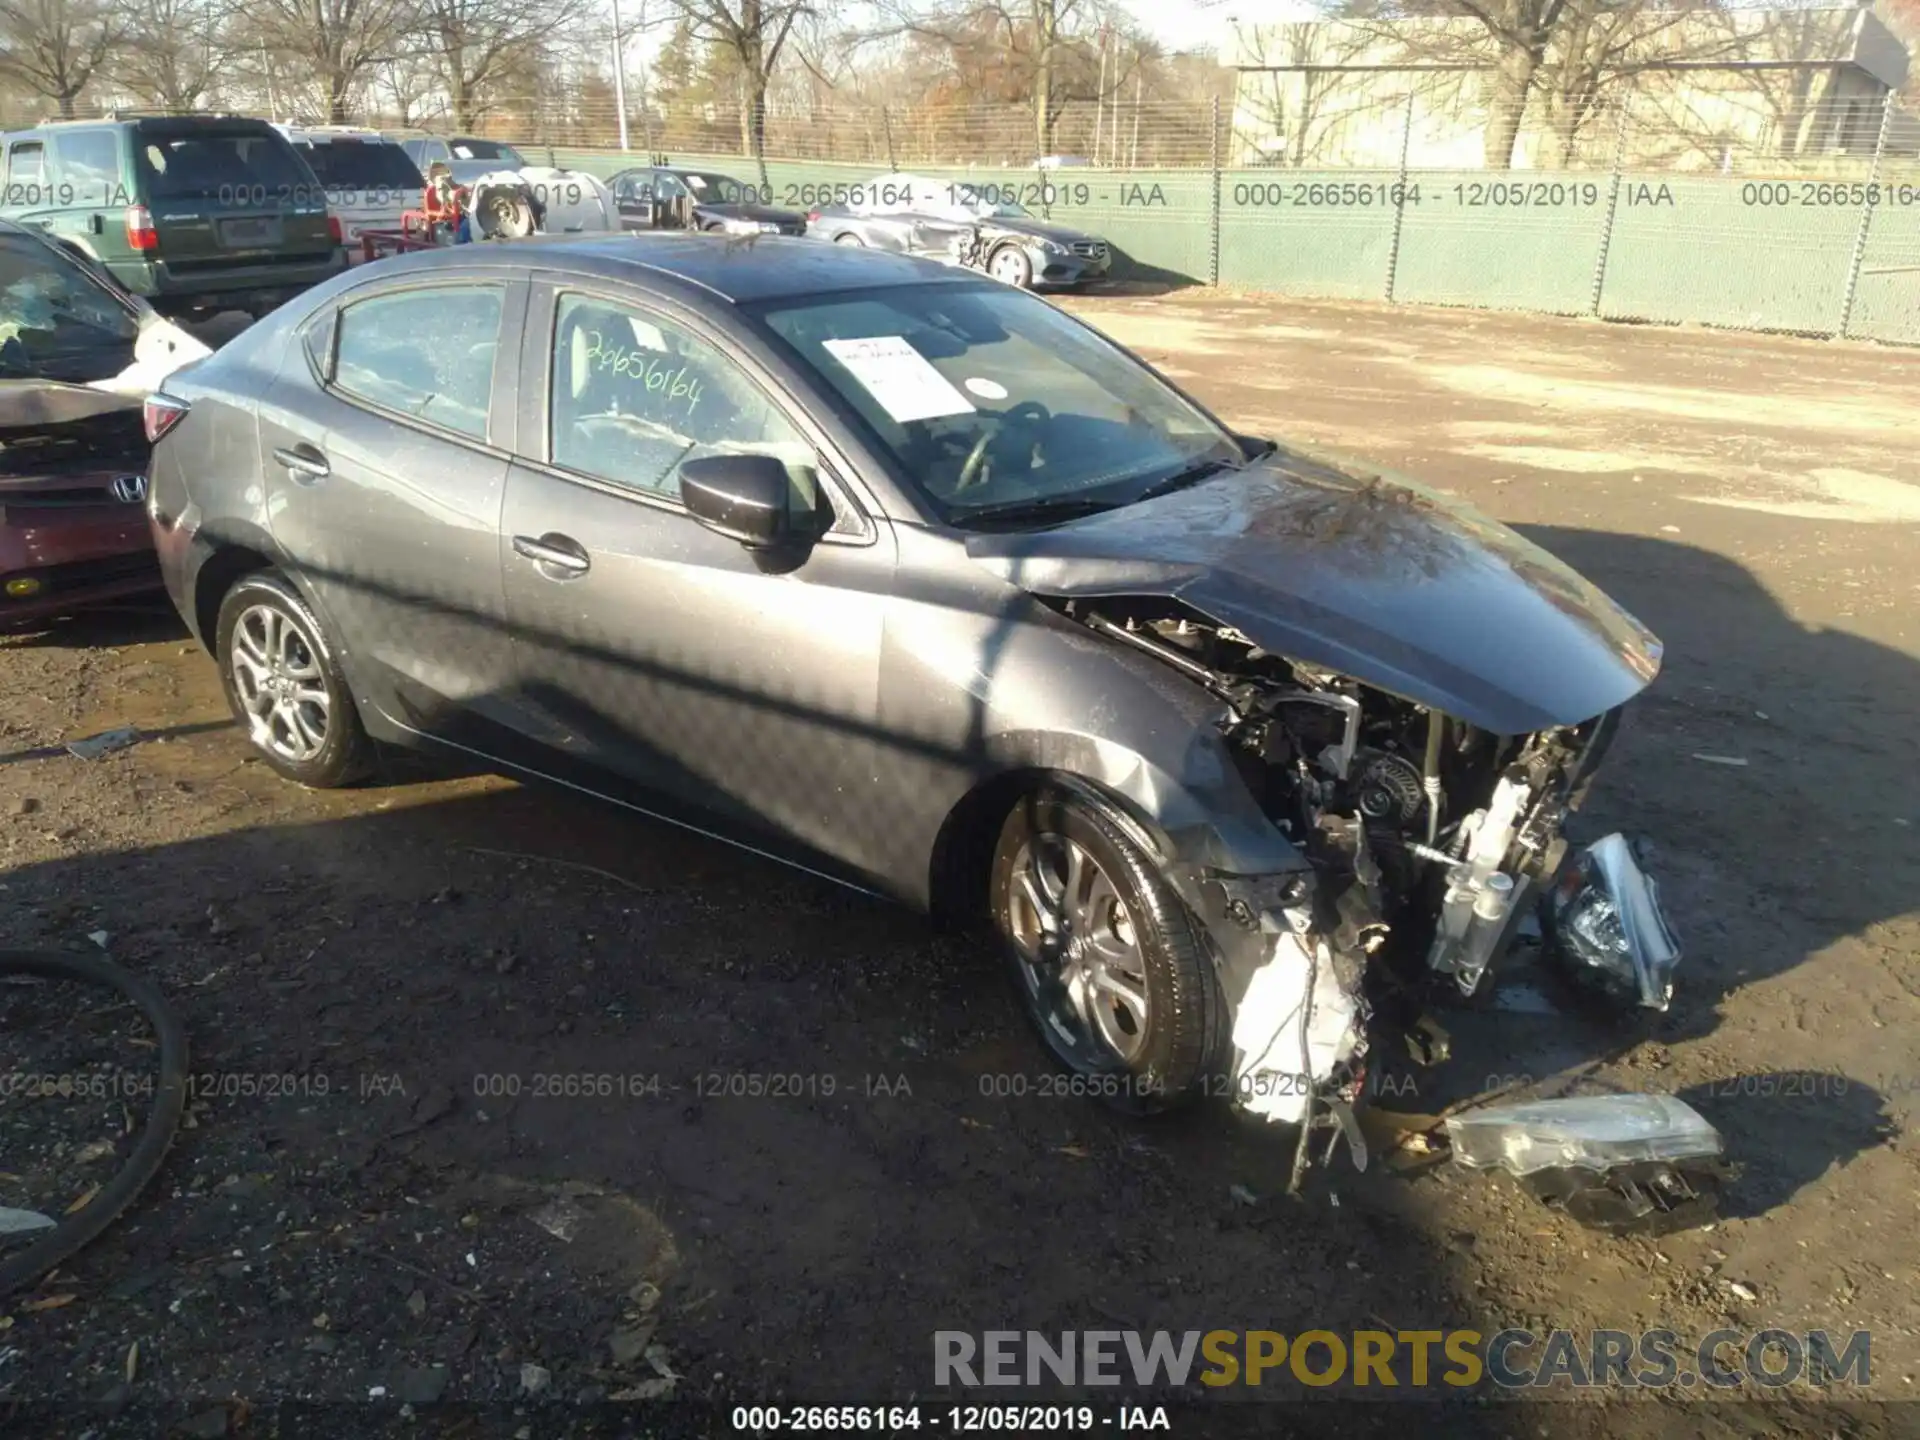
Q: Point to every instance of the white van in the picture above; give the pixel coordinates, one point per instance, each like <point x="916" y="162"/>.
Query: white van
<point x="369" y="181"/>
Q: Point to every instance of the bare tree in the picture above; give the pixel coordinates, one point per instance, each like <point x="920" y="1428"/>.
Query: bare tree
<point x="55" y="47"/>
<point x="478" y="43"/>
<point x="753" y="32"/>
<point x="337" y="45"/>
<point x="175" y="52"/>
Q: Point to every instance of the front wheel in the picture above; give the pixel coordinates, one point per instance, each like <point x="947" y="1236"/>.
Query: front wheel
<point x="1010" y="265"/>
<point x="285" y="687"/>
<point x="1114" y="970"/>
<point x="847" y="237"/>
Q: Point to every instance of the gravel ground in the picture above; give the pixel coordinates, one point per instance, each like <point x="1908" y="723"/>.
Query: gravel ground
<point x="521" y="1112"/>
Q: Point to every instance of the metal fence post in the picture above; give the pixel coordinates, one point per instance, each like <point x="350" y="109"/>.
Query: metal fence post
<point x="1613" y="209"/>
<point x="886" y="126"/>
<point x="1400" y="200"/>
<point x="1866" y="218"/>
<point x="1213" y="164"/>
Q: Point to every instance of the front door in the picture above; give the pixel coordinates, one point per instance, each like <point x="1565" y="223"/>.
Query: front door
<point x="650" y="646"/>
<point x="385" y="471"/>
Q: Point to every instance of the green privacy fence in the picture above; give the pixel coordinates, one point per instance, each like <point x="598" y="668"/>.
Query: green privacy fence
<point x="1818" y="257"/>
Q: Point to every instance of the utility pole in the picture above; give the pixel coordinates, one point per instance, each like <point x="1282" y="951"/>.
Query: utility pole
<point x="619" y="75"/>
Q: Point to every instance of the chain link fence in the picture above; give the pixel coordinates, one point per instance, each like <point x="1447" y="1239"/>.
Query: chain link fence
<point x="1745" y="206"/>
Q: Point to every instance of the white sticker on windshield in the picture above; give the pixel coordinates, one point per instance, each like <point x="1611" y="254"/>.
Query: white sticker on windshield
<point x="985" y="389"/>
<point x="899" y="377"/>
<point x="461" y="152"/>
<point x="698" y="182"/>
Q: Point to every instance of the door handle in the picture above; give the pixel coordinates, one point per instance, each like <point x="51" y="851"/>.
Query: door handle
<point x="303" y="462"/>
<point x="562" y="552"/>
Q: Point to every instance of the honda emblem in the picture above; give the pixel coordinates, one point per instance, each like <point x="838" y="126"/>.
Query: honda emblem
<point x="129" y="489"/>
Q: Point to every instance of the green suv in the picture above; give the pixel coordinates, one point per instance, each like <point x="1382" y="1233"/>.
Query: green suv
<point x="199" y="213"/>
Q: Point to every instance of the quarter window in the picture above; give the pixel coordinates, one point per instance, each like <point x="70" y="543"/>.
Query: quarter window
<point x="634" y="397"/>
<point x="25" y="165"/>
<point x="427" y="354"/>
<point x="89" y="166"/>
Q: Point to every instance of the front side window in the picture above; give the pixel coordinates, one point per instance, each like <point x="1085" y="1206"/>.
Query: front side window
<point x="718" y="189"/>
<point x="668" y="187"/>
<point x="427" y="354"/>
<point x="993" y="403"/>
<point x="635" y="187"/>
<point x="634" y="397"/>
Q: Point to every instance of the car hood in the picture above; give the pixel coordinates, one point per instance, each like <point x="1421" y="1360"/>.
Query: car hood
<point x="1036" y="229"/>
<point x="1330" y="563"/>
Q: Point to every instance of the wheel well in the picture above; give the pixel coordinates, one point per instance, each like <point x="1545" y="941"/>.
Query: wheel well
<point x="217" y="577"/>
<point x="963" y="851"/>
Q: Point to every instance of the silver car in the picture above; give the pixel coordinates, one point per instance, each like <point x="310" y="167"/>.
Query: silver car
<point x="906" y="576"/>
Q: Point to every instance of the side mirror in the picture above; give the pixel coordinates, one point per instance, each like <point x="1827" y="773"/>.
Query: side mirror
<point x="746" y="498"/>
<point x="1253" y="447"/>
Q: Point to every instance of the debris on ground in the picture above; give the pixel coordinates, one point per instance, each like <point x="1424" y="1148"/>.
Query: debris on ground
<point x="105" y="743"/>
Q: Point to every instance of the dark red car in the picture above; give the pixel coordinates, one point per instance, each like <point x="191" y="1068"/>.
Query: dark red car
<point x="73" y="454"/>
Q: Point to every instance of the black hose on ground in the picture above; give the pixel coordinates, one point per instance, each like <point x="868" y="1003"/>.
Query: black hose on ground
<point x="169" y="1102"/>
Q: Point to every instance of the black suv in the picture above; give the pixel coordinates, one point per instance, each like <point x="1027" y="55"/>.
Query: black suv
<point x="198" y="213"/>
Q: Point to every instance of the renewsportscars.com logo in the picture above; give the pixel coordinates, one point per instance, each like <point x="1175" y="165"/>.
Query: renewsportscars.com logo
<point x="1400" y="1359"/>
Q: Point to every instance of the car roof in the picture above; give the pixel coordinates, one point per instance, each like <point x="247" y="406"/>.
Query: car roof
<point x="329" y="132"/>
<point x="766" y="267"/>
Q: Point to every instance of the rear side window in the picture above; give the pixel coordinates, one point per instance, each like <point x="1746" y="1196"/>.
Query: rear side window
<point x="88" y="162"/>
<point x="427" y="354"/>
<point x="358" y="166"/>
<point x="228" y="167"/>
<point x="471" y="149"/>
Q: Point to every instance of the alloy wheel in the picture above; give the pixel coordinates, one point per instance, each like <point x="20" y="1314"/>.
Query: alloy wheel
<point x="1079" y="950"/>
<point x="279" y="682"/>
<point x="1009" y="266"/>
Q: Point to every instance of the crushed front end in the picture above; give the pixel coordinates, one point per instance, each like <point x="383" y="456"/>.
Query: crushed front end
<point x="1427" y="840"/>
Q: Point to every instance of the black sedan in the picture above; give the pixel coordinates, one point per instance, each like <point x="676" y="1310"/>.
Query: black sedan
<point x="903" y="575"/>
<point x="959" y="223"/>
<point x="660" y="198"/>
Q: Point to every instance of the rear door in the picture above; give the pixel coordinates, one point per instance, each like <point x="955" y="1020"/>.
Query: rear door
<point x="227" y="193"/>
<point x="385" y="468"/>
<point x="633" y="194"/>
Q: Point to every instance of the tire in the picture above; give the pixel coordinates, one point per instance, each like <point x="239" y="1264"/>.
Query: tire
<point x="1158" y="1044"/>
<point x="262" y="621"/>
<point x="1010" y="265"/>
<point x="847" y="237"/>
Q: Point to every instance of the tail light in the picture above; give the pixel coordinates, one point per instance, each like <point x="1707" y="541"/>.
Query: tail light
<point x="162" y="413"/>
<point x="140" y="232"/>
<point x="812" y="215"/>
<point x="333" y="229"/>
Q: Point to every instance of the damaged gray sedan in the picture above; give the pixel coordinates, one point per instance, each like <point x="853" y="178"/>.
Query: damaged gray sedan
<point x="910" y="578"/>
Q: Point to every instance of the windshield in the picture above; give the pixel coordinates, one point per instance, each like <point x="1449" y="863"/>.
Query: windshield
<point x="55" y="322"/>
<point x="360" y="165"/>
<point x="994" y="403"/>
<point x="716" y="189"/>
<point x="486" y="150"/>
<point x="256" y="166"/>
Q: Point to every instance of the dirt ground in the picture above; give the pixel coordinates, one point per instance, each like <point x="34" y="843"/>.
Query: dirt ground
<point x="382" y="1195"/>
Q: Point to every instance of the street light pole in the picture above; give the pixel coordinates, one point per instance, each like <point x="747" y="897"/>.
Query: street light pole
<point x="619" y="75"/>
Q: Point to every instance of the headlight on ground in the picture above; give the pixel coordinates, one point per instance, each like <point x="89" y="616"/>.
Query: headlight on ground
<point x="1593" y="1132"/>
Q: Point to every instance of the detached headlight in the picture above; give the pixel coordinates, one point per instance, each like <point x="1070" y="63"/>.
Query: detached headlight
<point x="1606" y="929"/>
<point x="1590" y="1132"/>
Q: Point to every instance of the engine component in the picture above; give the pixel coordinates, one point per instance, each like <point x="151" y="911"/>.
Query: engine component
<point x="1387" y="789"/>
<point x="1605" y="927"/>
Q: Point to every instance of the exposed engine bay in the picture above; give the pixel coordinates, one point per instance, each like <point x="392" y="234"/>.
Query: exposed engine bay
<point x="1428" y="839"/>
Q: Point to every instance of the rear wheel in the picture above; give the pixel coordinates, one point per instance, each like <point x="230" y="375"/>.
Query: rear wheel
<point x="1113" y="969"/>
<point x="284" y="686"/>
<point x="848" y="238"/>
